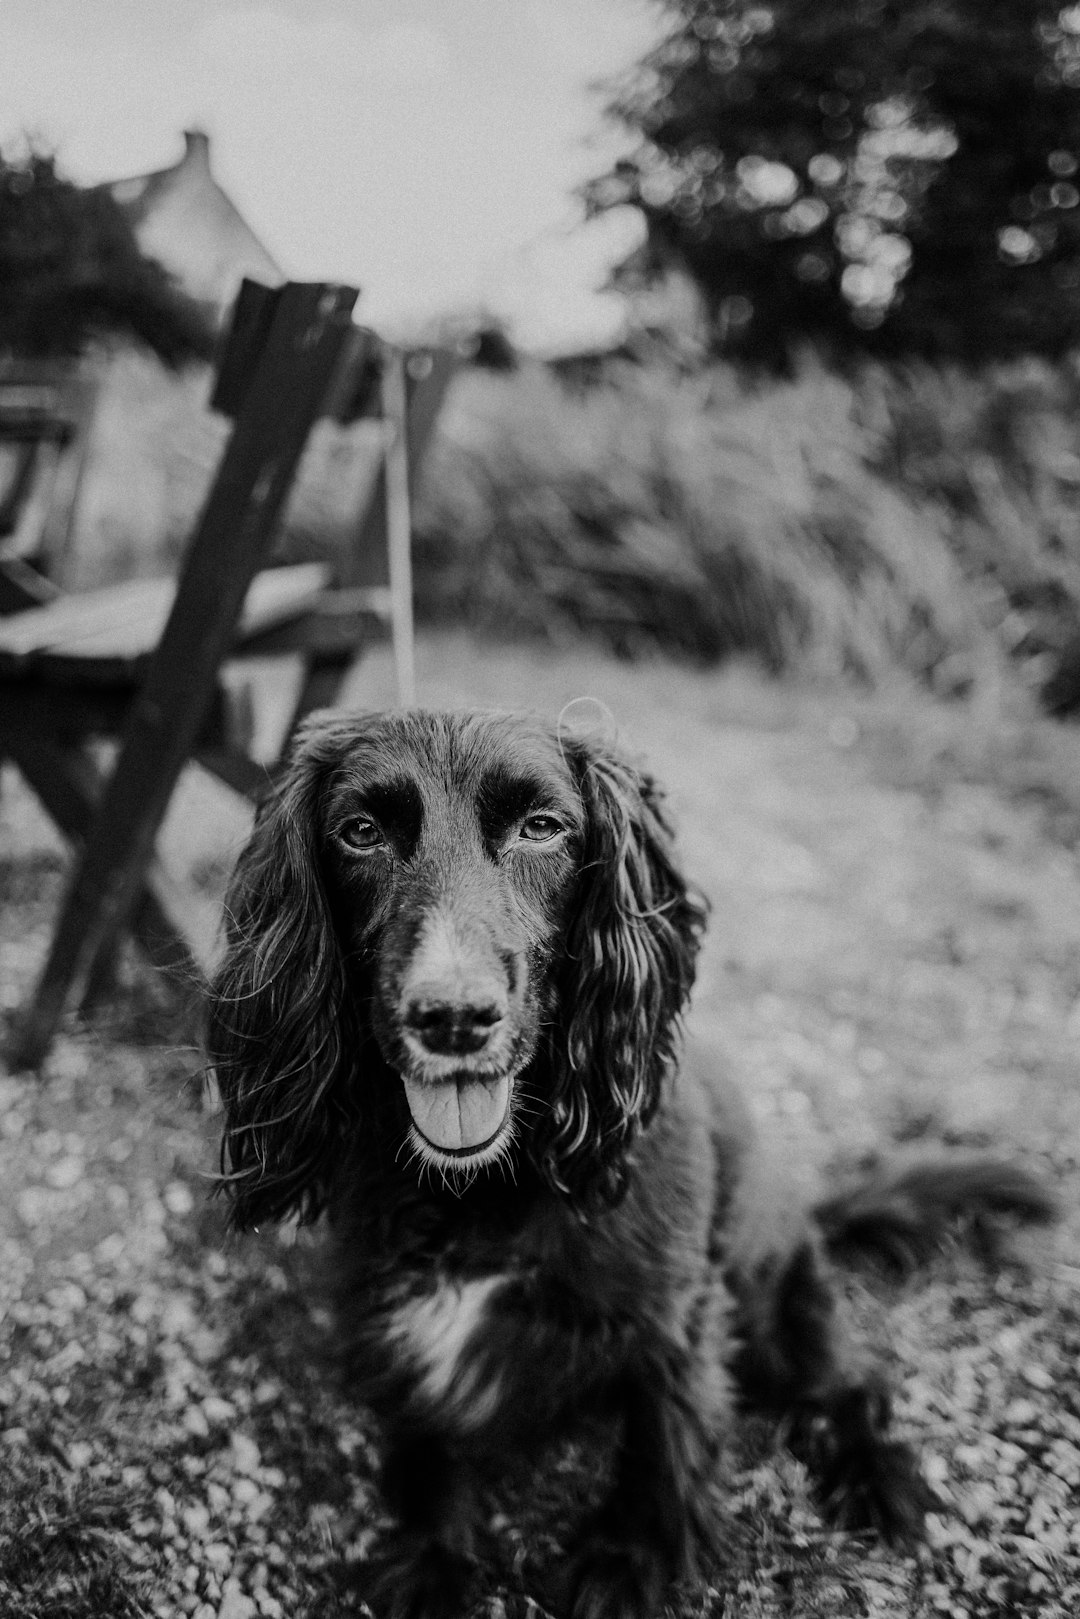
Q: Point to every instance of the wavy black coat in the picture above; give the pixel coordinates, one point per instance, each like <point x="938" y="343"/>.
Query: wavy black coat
<point x="629" y="1251"/>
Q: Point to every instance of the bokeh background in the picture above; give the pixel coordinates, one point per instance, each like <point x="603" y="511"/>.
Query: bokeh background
<point x="766" y="444"/>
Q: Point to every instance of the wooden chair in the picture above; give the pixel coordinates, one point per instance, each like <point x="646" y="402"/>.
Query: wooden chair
<point x="143" y="661"/>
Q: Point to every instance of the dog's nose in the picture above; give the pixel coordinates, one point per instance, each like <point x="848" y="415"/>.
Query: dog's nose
<point x="453" y="1027"/>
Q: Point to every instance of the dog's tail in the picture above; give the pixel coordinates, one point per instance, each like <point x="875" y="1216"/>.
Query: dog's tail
<point x="904" y="1212"/>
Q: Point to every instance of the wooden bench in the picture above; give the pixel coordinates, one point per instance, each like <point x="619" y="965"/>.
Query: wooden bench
<point x="143" y="661"/>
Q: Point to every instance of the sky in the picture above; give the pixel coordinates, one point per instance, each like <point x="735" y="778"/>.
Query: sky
<point x="425" y="149"/>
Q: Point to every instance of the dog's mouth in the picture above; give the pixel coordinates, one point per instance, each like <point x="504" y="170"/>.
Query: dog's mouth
<point x="460" y="1116"/>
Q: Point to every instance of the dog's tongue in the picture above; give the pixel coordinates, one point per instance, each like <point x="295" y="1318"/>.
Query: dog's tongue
<point x="457" y="1114"/>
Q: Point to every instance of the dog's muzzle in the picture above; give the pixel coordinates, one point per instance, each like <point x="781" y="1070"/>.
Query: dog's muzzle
<point x="457" y="1003"/>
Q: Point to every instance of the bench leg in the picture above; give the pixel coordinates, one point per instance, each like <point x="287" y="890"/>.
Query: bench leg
<point x="68" y="783"/>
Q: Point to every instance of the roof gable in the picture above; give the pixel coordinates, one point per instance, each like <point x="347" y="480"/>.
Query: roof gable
<point x="183" y="218"/>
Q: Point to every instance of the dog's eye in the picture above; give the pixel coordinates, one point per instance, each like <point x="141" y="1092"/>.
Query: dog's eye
<point x="540" y="828"/>
<point x="361" y="833"/>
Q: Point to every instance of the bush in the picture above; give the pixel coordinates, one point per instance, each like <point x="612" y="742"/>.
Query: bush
<point x="841" y="527"/>
<point x="71" y="270"/>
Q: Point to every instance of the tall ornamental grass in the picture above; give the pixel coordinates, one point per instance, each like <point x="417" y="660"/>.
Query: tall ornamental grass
<point x="919" y="519"/>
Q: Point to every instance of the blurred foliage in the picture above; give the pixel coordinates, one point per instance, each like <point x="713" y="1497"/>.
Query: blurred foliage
<point x="71" y="270"/>
<point x="915" y="518"/>
<point x="870" y="175"/>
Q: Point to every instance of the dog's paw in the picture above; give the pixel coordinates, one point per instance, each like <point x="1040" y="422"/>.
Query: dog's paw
<point x="878" y="1487"/>
<point x="865" y="1480"/>
<point x="410" y="1577"/>
<point x="611" y="1578"/>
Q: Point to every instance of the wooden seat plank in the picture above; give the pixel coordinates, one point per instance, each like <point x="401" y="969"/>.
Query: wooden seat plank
<point x="118" y="627"/>
<point x="85" y="616"/>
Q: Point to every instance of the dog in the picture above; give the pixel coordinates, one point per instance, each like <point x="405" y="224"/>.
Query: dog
<point x="458" y="951"/>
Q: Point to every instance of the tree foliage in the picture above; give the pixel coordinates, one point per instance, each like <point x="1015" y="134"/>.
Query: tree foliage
<point x="71" y="270"/>
<point x="898" y="175"/>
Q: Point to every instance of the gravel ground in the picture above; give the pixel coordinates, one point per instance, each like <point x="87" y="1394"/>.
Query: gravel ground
<point x="894" y="958"/>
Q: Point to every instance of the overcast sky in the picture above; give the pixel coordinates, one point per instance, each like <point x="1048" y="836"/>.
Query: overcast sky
<point x="427" y="149"/>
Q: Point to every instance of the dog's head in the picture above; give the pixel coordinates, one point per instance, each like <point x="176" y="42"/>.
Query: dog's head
<point x="462" y="934"/>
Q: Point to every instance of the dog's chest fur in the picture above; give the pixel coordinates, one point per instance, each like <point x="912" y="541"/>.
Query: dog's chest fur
<point x="437" y="1332"/>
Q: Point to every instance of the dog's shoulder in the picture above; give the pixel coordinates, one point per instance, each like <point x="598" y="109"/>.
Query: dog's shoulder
<point x="762" y="1192"/>
<point x="705" y="1133"/>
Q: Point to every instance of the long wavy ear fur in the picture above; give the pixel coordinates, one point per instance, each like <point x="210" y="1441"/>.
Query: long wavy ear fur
<point x="628" y="969"/>
<point x="278" y="1028"/>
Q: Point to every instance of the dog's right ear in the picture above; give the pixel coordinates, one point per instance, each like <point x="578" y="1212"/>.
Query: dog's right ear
<point x="277" y="1026"/>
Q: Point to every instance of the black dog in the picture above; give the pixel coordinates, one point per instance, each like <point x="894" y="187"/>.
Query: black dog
<point x="458" y="951"/>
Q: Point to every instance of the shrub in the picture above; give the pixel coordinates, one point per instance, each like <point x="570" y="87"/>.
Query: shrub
<point x="703" y="515"/>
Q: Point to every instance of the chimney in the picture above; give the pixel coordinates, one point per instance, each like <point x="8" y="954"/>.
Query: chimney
<point x="196" y="150"/>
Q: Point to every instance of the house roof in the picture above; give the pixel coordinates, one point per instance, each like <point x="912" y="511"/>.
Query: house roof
<point x="183" y="218"/>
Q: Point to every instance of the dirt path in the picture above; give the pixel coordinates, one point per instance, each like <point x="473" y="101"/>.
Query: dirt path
<point x="894" y="955"/>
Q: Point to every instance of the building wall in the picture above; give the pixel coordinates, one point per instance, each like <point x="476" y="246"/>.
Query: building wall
<point x="154" y="444"/>
<point x="186" y="221"/>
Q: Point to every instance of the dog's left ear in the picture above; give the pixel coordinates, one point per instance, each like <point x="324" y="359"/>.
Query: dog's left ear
<point x="627" y="972"/>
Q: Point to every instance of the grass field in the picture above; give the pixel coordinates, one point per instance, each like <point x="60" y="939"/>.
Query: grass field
<point x="894" y="959"/>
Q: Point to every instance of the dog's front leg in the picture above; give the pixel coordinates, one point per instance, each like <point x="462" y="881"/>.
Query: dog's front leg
<point x="648" y="1531"/>
<point x="424" y="1567"/>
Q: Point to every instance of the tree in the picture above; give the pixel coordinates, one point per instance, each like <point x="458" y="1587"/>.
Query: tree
<point x="71" y="270"/>
<point x="892" y="175"/>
